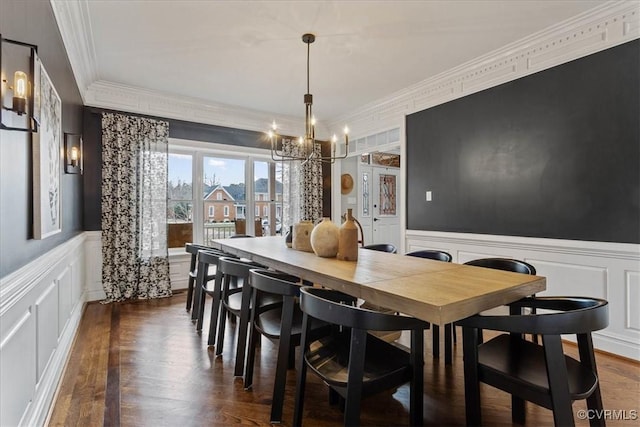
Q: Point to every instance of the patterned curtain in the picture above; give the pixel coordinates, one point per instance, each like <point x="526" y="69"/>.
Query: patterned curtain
<point x="135" y="263"/>
<point x="302" y="186"/>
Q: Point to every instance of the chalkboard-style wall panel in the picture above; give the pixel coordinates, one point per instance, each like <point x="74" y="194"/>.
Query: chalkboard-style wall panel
<point x="554" y="155"/>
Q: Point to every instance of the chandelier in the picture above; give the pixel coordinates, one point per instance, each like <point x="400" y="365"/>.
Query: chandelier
<point x="306" y="145"/>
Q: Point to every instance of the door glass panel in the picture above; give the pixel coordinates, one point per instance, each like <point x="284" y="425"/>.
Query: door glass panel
<point x="224" y="190"/>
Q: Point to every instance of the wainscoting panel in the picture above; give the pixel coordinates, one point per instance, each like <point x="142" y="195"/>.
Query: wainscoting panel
<point x="47" y="306"/>
<point x="576" y="268"/>
<point x="632" y="287"/>
<point x="40" y="309"/>
<point x="18" y="367"/>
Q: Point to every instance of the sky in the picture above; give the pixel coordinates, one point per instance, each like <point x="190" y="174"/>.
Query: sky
<point x="227" y="171"/>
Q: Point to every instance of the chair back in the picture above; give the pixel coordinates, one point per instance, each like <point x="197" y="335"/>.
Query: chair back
<point x="274" y="282"/>
<point x="506" y="264"/>
<point x="210" y="256"/>
<point x="236" y="267"/>
<point x="432" y="254"/>
<point x="327" y="305"/>
<point x="569" y="315"/>
<point x="382" y="247"/>
<point x="193" y="248"/>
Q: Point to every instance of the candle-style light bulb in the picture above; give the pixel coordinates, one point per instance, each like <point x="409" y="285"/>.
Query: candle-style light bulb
<point x="274" y="126"/>
<point x="20" y="85"/>
<point x="300" y="140"/>
<point x="74" y="156"/>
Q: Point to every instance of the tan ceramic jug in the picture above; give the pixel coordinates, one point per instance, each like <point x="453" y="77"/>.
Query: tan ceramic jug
<point x="348" y="239"/>
<point x="302" y="236"/>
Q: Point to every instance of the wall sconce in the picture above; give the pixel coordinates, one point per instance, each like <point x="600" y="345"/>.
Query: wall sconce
<point x="22" y="89"/>
<point x="73" y="162"/>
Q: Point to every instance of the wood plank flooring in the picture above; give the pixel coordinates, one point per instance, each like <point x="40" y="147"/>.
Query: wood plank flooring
<point x="142" y="364"/>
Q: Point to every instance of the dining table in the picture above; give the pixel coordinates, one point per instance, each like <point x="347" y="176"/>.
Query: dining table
<point x="434" y="291"/>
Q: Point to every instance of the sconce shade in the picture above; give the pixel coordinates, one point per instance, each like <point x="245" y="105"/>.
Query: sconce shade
<point x="20" y="84"/>
<point x="21" y="89"/>
<point x="72" y="153"/>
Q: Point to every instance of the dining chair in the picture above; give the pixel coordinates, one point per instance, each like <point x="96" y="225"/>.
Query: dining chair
<point x="193" y="249"/>
<point x="539" y="373"/>
<point x="505" y="264"/>
<point x="277" y="322"/>
<point x="449" y="329"/>
<point x="207" y="259"/>
<point x="432" y="254"/>
<point x="235" y="299"/>
<point x="353" y="362"/>
<point x="382" y="247"/>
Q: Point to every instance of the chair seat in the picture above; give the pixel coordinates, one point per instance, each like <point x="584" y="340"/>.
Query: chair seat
<point x="526" y="363"/>
<point x="234" y="302"/>
<point x="268" y="323"/>
<point x="385" y="363"/>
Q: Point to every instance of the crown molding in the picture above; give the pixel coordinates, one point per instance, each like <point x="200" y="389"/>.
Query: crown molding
<point x="104" y="94"/>
<point x="604" y="27"/>
<point x="75" y="28"/>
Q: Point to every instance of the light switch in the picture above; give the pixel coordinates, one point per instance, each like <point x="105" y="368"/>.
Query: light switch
<point x="428" y="196"/>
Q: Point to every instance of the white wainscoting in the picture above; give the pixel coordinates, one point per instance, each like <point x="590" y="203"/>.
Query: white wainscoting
<point x="40" y="309"/>
<point x="577" y="268"/>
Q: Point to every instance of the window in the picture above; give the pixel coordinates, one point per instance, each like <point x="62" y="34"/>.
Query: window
<point x="180" y="199"/>
<point x="207" y="191"/>
<point x="268" y="189"/>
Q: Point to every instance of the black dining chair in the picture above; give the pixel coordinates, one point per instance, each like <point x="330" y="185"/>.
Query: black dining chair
<point x="382" y="247"/>
<point x="193" y="249"/>
<point x="449" y="329"/>
<point x="538" y="373"/>
<point x="434" y="254"/>
<point x="505" y="264"/>
<point x="277" y="322"/>
<point x="235" y="300"/>
<point x="207" y="258"/>
<point x="353" y="362"/>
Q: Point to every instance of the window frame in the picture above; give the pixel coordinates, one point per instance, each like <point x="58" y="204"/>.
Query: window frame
<point x="199" y="150"/>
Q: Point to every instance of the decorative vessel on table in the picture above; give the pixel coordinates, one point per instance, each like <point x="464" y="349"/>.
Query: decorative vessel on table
<point x="302" y="236"/>
<point x="324" y="239"/>
<point x="348" y="239"/>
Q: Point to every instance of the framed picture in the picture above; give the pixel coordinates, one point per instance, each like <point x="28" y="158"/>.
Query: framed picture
<point x="46" y="161"/>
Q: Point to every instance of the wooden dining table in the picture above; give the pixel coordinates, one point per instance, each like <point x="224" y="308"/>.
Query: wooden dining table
<point x="434" y="291"/>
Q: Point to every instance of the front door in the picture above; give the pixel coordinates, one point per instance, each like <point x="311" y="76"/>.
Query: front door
<point x="386" y="205"/>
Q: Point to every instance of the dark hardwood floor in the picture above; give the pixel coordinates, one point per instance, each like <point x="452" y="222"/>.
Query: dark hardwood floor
<point x="142" y="364"/>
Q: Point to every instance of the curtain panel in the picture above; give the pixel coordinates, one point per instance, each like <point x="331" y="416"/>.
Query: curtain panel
<point x="302" y="186"/>
<point x="135" y="262"/>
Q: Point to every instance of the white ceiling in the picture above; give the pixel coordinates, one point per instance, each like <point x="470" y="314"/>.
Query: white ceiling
<point x="249" y="54"/>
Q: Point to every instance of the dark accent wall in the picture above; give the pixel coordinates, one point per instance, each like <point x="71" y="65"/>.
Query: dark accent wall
<point x="177" y="129"/>
<point x="33" y="22"/>
<point x="555" y="155"/>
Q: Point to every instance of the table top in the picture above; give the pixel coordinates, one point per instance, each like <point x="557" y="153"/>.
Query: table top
<point x="435" y="291"/>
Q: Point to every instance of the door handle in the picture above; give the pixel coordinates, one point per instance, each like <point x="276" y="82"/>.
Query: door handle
<point x="375" y="219"/>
